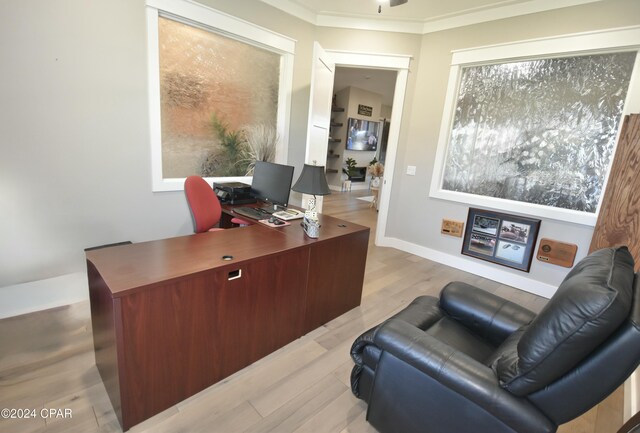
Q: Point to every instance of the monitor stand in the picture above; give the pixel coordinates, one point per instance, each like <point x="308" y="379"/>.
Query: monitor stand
<point x="271" y="207"/>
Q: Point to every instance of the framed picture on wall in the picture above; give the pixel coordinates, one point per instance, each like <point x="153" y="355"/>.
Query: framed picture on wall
<point x="505" y="239"/>
<point x="362" y="134"/>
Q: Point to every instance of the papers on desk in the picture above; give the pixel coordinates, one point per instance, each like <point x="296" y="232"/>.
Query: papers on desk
<point x="288" y="214"/>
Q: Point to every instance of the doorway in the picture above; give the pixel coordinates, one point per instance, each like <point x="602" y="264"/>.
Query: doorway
<point x="399" y="65"/>
<point x="360" y="96"/>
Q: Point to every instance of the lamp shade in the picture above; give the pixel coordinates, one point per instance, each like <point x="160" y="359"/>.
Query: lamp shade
<point x="312" y="181"/>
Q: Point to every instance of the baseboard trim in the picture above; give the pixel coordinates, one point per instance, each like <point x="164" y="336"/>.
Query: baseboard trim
<point x="43" y="294"/>
<point x="469" y="265"/>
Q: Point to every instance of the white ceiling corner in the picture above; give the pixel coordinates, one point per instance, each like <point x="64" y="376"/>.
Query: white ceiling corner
<point x="295" y="9"/>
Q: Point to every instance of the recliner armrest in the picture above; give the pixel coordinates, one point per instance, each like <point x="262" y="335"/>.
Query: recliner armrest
<point x="488" y="315"/>
<point x="460" y="373"/>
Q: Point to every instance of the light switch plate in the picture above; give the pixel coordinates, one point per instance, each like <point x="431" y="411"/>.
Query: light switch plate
<point x="452" y="228"/>
<point x="411" y="170"/>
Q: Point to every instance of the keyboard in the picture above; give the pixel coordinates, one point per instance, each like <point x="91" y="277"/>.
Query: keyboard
<point x="256" y="213"/>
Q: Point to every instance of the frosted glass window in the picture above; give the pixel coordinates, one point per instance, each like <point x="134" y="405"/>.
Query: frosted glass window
<point x="538" y="131"/>
<point x="212" y="90"/>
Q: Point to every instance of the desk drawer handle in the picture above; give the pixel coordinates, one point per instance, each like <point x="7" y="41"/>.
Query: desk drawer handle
<point x="234" y="275"/>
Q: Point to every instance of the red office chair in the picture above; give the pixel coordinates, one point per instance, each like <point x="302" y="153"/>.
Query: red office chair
<point x="204" y="205"/>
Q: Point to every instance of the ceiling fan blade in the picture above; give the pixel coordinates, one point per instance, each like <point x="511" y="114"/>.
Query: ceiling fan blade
<point x="393" y="3"/>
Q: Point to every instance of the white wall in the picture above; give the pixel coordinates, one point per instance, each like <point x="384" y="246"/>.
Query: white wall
<point x="74" y="170"/>
<point x="385" y="112"/>
<point x="75" y="164"/>
<point x="414" y="218"/>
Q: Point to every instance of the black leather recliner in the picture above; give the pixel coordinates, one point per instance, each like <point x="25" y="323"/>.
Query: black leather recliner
<point x="474" y="362"/>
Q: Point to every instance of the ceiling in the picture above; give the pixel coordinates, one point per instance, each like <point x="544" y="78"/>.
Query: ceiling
<point x="416" y="16"/>
<point x="378" y="81"/>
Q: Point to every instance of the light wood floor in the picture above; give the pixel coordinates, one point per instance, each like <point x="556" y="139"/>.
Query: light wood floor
<point x="46" y="361"/>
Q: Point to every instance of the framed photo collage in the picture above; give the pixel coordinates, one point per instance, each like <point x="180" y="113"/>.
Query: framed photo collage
<point x="505" y="239"/>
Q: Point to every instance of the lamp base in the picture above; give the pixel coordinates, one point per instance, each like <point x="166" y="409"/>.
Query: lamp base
<point x="311" y="227"/>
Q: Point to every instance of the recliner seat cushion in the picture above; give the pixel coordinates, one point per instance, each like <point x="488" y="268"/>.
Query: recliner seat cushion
<point x="461" y="338"/>
<point x="590" y="304"/>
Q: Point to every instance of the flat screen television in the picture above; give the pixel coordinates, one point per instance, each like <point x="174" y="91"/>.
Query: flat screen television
<point x="272" y="182"/>
<point x="362" y="134"/>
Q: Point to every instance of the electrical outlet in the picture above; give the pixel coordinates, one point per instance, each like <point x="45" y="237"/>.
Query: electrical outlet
<point x="411" y="170"/>
<point x="452" y="228"/>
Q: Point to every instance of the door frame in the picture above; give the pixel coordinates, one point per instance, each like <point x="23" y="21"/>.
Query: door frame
<point x="323" y="71"/>
<point x="400" y="64"/>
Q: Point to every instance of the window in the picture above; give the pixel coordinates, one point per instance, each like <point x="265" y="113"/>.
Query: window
<point x="535" y="135"/>
<point x="218" y="87"/>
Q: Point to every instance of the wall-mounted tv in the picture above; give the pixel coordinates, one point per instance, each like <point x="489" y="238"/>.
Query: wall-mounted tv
<point x="362" y="134"/>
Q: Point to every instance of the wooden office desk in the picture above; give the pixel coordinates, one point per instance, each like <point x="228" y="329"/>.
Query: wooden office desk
<point x="172" y="317"/>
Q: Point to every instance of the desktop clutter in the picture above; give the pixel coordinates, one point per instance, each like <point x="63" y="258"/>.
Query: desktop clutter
<point x="274" y="222"/>
<point x="233" y="192"/>
<point x="271" y="184"/>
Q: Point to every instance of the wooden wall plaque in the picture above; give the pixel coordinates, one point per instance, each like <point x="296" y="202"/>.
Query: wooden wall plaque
<point x="556" y="252"/>
<point x="619" y="219"/>
<point x="452" y="228"/>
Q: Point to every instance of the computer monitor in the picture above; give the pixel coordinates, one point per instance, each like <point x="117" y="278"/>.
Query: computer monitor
<point x="272" y="182"/>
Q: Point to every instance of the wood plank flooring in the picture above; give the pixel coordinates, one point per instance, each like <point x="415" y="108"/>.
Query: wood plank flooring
<point x="46" y="361"/>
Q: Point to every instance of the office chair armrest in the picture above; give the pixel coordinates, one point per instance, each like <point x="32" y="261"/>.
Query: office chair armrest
<point x="488" y="315"/>
<point x="458" y="373"/>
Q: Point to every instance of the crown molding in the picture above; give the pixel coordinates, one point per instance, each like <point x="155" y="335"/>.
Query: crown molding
<point x="381" y="25"/>
<point x="294" y="9"/>
<point x="445" y="22"/>
<point x="492" y="14"/>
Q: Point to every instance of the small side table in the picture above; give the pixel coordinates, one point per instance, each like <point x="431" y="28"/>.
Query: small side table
<point x="346" y="185"/>
<point x="374" y="202"/>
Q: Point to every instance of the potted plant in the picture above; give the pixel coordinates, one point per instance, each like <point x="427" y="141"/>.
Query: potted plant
<point x="376" y="170"/>
<point x="259" y="145"/>
<point x="351" y="165"/>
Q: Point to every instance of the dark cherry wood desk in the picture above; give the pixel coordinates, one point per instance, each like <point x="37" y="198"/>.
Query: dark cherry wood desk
<point x="172" y="317"/>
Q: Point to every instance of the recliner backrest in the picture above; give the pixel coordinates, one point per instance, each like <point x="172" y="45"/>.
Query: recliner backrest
<point x="589" y="306"/>
<point x="598" y="375"/>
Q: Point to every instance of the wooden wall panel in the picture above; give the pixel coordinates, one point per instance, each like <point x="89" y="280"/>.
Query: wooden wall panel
<point x="619" y="219"/>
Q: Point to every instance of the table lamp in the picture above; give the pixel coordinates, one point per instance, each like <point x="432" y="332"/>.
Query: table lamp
<point x="312" y="181"/>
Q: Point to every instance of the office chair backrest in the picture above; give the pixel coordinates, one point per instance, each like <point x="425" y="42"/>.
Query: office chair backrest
<point x="203" y="204"/>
